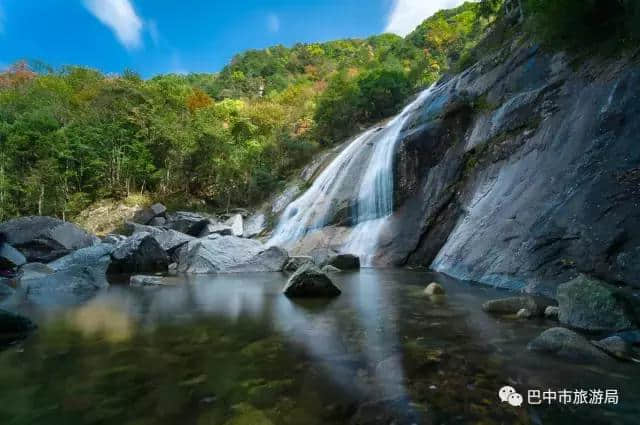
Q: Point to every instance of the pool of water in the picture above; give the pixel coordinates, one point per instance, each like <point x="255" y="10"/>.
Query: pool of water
<point x="232" y="350"/>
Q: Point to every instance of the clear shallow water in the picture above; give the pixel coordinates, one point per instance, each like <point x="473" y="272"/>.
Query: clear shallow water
<point x="233" y="350"/>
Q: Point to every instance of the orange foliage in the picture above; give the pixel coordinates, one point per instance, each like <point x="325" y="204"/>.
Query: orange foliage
<point x="198" y="100"/>
<point x="18" y="74"/>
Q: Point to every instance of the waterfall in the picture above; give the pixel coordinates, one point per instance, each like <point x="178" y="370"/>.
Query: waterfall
<point x="372" y="151"/>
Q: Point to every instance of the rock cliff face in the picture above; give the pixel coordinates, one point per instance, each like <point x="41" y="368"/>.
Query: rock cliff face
<point x="522" y="172"/>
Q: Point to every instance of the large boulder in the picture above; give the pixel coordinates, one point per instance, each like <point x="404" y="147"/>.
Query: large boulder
<point x="12" y="323"/>
<point x="146" y="215"/>
<point x="140" y="253"/>
<point x="236" y="222"/>
<point x="592" y="305"/>
<point x="189" y="223"/>
<point x="343" y="261"/>
<point x="216" y="229"/>
<point x="93" y="256"/>
<point x="566" y="343"/>
<point x="310" y="281"/>
<point x="68" y="286"/>
<point x="255" y="225"/>
<point x="168" y="239"/>
<point x="230" y="254"/>
<point x="512" y="305"/>
<point x="10" y="257"/>
<point x="44" y="239"/>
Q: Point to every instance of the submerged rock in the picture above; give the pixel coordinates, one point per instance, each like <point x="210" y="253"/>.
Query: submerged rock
<point x="344" y="261"/>
<point x="512" y="305"/>
<point x="230" y="254"/>
<point x="140" y="253"/>
<point x="566" y="343"/>
<point x="44" y="239"/>
<point x="310" y="281"/>
<point x="590" y="304"/>
<point x="146" y="281"/>
<point x="12" y="323"/>
<point x="434" y="288"/>
<point x="617" y="347"/>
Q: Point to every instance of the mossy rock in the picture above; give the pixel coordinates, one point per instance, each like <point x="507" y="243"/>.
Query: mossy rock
<point x="592" y="305"/>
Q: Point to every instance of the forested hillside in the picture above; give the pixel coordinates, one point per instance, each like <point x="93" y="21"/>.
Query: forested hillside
<point x="73" y="136"/>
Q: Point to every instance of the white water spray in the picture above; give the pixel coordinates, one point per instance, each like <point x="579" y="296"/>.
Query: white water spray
<point x="374" y="202"/>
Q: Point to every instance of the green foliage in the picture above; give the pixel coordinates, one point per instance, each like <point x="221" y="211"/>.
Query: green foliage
<point x="578" y="23"/>
<point x="72" y="137"/>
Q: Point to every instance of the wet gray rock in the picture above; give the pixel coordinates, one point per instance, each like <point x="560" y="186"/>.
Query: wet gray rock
<point x="590" y="304"/>
<point x="230" y="254"/>
<point x="524" y="313"/>
<point x="296" y="262"/>
<point x="168" y="239"/>
<point x="34" y="271"/>
<point x="512" y="305"/>
<point x="568" y="344"/>
<point x="113" y="239"/>
<point x="255" y="225"/>
<point x="616" y="347"/>
<point x="310" y="281"/>
<point x="216" y="229"/>
<point x="552" y="312"/>
<point x="189" y="223"/>
<point x="434" y="288"/>
<point x="632" y="337"/>
<point x="343" y="261"/>
<point x="158" y="221"/>
<point x="10" y="257"/>
<point x="535" y="187"/>
<point x="12" y="323"/>
<point x="140" y="253"/>
<point x="93" y="256"/>
<point x="44" y="239"/>
<point x="331" y="269"/>
<point x="69" y="286"/>
<point x="236" y="222"/>
<point x="146" y="215"/>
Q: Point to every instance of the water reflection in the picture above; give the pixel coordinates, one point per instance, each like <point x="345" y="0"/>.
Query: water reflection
<point x="221" y="349"/>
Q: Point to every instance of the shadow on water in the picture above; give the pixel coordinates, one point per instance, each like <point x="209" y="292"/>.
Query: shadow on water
<point x="233" y="350"/>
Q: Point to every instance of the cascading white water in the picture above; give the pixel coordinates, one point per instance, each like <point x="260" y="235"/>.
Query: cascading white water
<point x="374" y="198"/>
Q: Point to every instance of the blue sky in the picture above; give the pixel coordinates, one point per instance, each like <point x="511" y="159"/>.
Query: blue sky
<point x="161" y="36"/>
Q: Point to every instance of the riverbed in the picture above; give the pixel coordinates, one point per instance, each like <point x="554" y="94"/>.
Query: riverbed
<point x="232" y="350"/>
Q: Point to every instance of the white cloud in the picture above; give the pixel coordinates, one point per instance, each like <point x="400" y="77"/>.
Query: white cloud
<point x="406" y="15"/>
<point x="120" y="16"/>
<point x="273" y="22"/>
